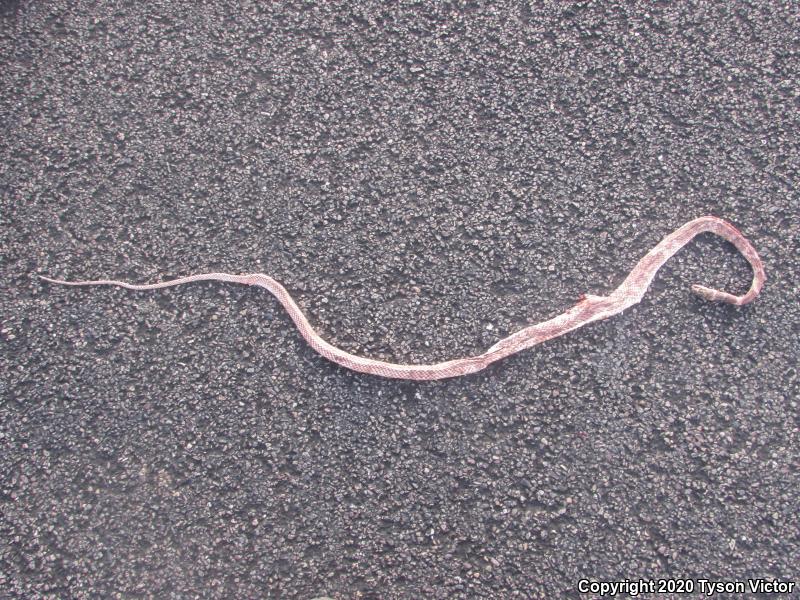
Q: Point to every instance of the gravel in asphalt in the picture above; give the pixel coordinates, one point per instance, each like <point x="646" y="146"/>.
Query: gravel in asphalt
<point x="425" y="179"/>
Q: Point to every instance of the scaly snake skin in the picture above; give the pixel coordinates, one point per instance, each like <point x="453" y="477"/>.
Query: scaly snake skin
<point x="589" y="308"/>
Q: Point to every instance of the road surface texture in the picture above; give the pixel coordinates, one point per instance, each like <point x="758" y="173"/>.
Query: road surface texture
<point x="425" y="179"/>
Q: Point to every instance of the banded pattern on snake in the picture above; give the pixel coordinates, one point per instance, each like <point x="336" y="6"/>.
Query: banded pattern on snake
<point x="588" y="309"/>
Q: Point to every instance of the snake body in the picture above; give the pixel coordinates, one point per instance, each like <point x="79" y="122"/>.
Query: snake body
<point x="588" y="309"/>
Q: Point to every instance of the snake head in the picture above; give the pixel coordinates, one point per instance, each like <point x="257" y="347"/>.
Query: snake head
<point x="713" y="295"/>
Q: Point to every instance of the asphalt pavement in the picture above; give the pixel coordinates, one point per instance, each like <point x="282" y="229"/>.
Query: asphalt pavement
<point x="425" y="178"/>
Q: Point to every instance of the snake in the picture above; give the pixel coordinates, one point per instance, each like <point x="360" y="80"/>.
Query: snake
<point x="588" y="309"/>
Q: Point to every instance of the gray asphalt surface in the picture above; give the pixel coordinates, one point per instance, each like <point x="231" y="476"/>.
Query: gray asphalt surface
<point x="425" y="181"/>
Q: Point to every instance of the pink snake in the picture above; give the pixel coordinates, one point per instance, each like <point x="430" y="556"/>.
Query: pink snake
<point x="588" y="309"/>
